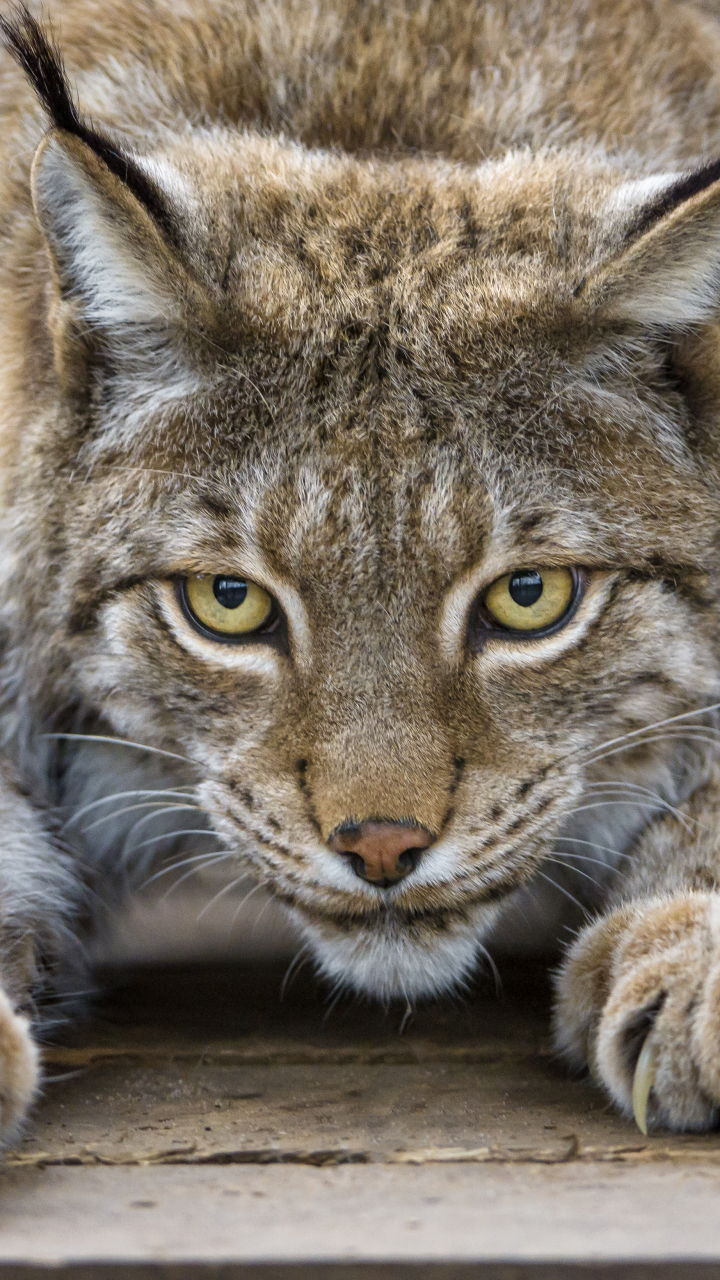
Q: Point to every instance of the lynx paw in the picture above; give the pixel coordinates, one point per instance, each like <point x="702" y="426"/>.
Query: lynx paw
<point x="638" y="998"/>
<point x="19" y="1069"/>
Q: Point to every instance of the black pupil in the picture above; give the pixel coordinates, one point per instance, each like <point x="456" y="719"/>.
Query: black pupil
<point x="229" y="592"/>
<point x="526" y="587"/>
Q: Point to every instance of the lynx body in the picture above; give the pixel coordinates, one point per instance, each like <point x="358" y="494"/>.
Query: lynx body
<point x="360" y="460"/>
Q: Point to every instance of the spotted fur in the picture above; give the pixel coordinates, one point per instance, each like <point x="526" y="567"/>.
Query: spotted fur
<point x="372" y="303"/>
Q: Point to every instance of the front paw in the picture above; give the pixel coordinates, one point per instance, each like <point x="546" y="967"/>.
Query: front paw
<point x="19" y="1069"/>
<point x="647" y="979"/>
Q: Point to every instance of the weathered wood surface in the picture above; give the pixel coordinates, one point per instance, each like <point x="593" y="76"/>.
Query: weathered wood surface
<point x="200" y="1121"/>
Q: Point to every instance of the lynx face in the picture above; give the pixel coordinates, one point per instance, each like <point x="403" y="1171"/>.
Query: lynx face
<point x="382" y="491"/>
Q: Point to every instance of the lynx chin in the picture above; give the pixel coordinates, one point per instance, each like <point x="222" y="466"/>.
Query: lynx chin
<point x="360" y="498"/>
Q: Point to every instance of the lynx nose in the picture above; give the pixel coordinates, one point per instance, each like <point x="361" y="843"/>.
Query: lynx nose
<point x="381" y="852"/>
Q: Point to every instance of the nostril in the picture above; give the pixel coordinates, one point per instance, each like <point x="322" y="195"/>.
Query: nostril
<point x="406" y="863"/>
<point x="409" y="860"/>
<point x="379" y="851"/>
<point x="357" y="864"/>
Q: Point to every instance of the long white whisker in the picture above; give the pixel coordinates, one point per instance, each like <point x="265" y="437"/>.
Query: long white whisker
<point x="658" y="804"/>
<point x="493" y="968"/>
<point x="648" y="728"/>
<point x="628" y="792"/>
<point x="125" y="795"/>
<point x="635" y="804"/>
<point x="580" y="857"/>
<point x="133" y="808"/>
<point x="584" y="857"/>
<point x="592" y="844"/>
<point x="659" y="724"/>
<point x="575" y="870"/>
<point x="301" y="956"/>
<point x="232" y="884"/>
<point x="246" y="897"/>
<point x="216" y="857"/>
<point x="184" y="862"/>
<point x="695" y="735"/>
<point x="121" y="742"/>
<point x="130" y="845"/>
<point x="173" y="835"/>
<point x="261" y="913"/>
<point x="555" y="885"/>
<point x="615" y="784"/>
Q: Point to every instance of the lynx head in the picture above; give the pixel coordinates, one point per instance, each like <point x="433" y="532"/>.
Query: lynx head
<point x="383" y="489"/>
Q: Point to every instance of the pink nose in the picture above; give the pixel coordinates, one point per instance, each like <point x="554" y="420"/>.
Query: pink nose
<point x="381" y="852"/>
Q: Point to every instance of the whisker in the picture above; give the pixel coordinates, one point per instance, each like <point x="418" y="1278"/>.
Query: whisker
<point x="626" y="784"/>
<point x="209" y="861"/>
<point x="592" y="844"/>
<point x="122" y="742"/>
<point x="601" y="804"/>
<point x="64" y="1075"/>
<point x="130" y="845"/>
<point x="262" y="910"/>
<point x="627" y="790"/>
<point x="583" y="857"/>
<point x="685" y="819"/>
<point x="657" y="724"/>
<point x="336" y="996"/>
<point x="409" y="1011"/>
<point x="173" y="835"/>
<point x="184" y="862"/>
<point x="125" y="795"/>
<point x="300" y="959"/>
<point x="578" y="871"/>
<point x="607" y="866"/>
<point x="696" y="735"/>
<point x="575" y="870"/>
<point x="560" y="888"/>
<point x="493" y="968"/>
<point x="132" y="808"/>
<point x="246" y="897"/>
<point x="232" y="884"/>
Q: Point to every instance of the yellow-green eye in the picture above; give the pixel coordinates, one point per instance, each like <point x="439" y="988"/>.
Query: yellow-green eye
<point x="530" y="599"/>
<point x="230" y="606"/>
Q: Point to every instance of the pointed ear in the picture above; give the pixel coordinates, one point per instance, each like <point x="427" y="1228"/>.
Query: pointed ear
<point x="110" y="258"/>
<point x="111" y="221"/>
<point x="666" y="274"/>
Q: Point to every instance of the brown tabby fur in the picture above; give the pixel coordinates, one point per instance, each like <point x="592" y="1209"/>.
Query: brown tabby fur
<point x="422" y="299"/>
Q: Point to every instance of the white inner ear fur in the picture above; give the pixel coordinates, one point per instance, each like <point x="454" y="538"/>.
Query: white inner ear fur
<point x="114" y="282"/>
<point x="631" y="197"/>
<point x="119" y="290"/>
<point x="670" y="278"/>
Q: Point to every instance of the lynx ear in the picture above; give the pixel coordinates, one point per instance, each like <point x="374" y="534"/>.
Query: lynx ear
<point x="111" y="223"/>
<point x="666" y="275"/>
<point x="109" y="254"/>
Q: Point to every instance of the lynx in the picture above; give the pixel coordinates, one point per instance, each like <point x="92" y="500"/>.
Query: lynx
<point x="360" y="512"/>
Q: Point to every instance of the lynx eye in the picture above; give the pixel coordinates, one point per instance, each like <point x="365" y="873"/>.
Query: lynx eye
<point x="531" y="599"/>
<point x="225" y="605"/>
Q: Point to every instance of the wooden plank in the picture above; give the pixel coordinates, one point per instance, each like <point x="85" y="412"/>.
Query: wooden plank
<point x="521" y="1217"/>
<point x="202" y="1125"/>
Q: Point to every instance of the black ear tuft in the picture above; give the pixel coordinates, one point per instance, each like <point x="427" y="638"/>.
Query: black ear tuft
<point x="34" y="49"/>
<point x="672" y="197"/>
<point x="38" y="55"/>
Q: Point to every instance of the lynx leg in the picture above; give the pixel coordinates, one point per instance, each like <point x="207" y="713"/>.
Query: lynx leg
<point x="639" y="999"/>
<point x="19" y="1069"/>
<point x="38" y="895"/>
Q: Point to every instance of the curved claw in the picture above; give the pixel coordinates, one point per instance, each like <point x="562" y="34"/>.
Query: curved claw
<point x="643" y="1081"/>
